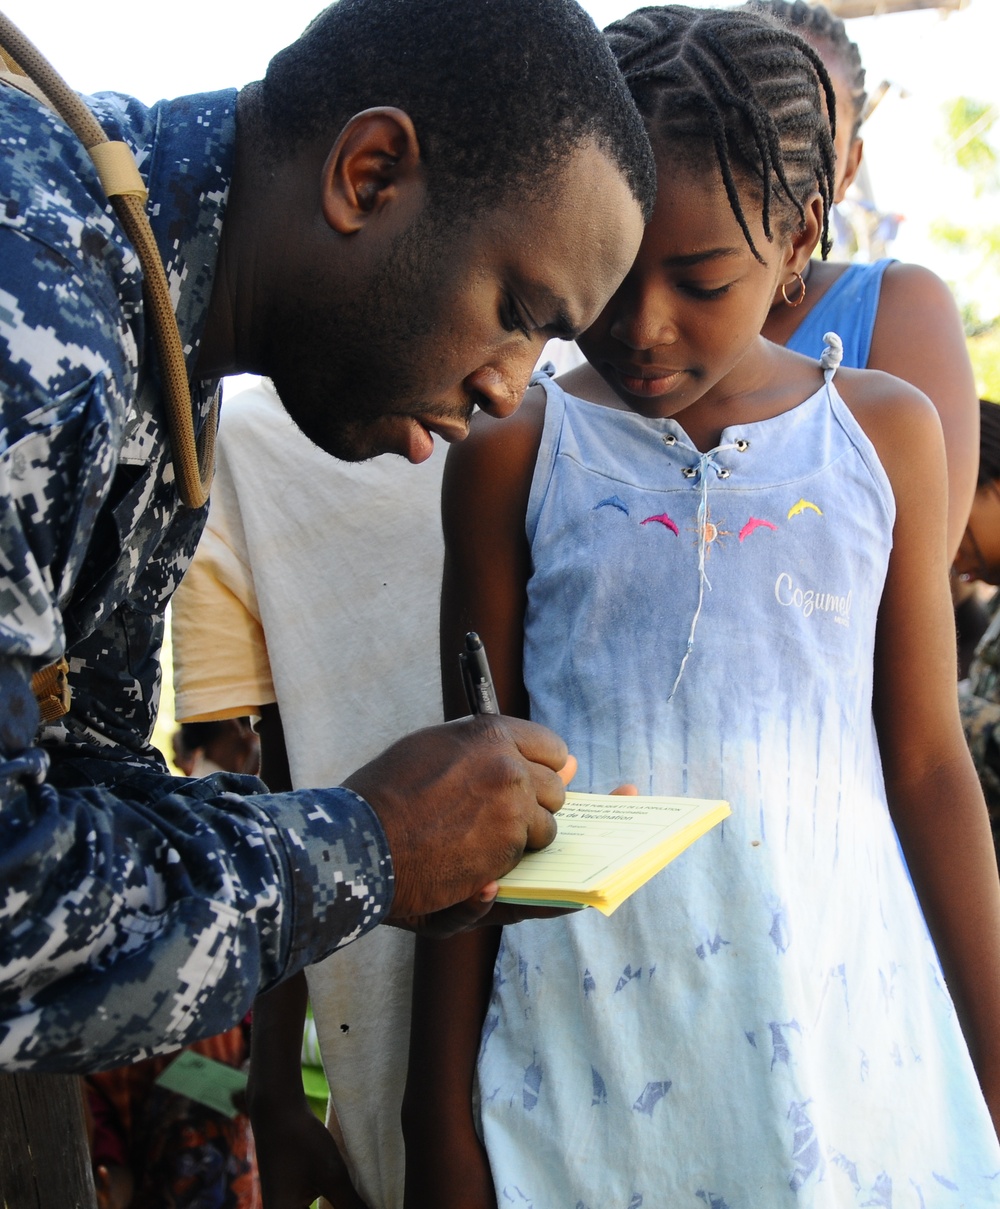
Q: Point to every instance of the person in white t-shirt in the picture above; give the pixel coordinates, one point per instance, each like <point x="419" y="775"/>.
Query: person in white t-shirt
<point x="338" y="585"/>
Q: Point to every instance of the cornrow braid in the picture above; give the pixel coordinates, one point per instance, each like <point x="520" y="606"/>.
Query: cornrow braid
<point x="816" y="23"/>
<point x="745" y="85"/>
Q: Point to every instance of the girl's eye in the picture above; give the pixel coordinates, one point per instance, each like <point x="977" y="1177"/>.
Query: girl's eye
<point x="704" y="292"/>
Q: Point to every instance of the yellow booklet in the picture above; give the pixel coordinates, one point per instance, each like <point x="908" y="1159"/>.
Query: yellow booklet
<point x="607" y="847"/>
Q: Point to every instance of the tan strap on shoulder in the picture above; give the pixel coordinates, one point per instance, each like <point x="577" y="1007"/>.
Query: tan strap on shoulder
<point x="122" y="182"/>
<point x="23" y="84"/>
<point x="118" y="170"/>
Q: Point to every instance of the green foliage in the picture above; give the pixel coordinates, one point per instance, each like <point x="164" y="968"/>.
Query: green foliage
<point x="969" y="123"/>
<point x="984" y="352"/>
<point x="973" y="324"/>
<point x="984" y="242"/>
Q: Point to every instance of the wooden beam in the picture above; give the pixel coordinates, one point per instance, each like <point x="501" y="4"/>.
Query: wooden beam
<point x="44" y="1157"/>
<point x="873" y="8"/>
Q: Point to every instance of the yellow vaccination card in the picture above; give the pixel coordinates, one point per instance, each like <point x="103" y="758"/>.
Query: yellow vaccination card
<point x="607" y="847"/>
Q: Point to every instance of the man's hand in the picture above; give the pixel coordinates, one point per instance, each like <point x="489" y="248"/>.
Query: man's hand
<point x="483" y="909"/>
<point x="459" y="804"/>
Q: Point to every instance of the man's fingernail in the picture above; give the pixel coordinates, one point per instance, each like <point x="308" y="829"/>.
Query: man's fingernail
<point x="568" y="770"/>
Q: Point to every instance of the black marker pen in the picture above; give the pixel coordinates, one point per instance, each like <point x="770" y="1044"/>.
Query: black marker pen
<point x="476" y="677"/>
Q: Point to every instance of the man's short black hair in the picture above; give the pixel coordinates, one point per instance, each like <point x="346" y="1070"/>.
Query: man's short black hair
<point x="500" y="91"/>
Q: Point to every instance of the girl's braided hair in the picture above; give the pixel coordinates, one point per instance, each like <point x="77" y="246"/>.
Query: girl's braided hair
<point x="742" y="84"/>
<point x="816" y="23"/>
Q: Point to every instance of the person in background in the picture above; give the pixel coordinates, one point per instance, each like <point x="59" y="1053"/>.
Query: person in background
<point x="151" y="1146"/>
<point x="222" y="745"/>
<point x="275" y="609"/>
<point x="900" y="318"/>
<point x="978" y="621"/>
<point x="155" y="1148"/>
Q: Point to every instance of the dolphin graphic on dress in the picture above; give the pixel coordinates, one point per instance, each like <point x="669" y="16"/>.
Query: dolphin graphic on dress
<point x="801" y="506"/>
<point x="663" y="520"/>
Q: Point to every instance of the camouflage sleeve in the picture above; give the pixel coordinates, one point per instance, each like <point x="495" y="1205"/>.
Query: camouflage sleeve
<point x="138" y="919"/>
<point x="981" y="723"/>
<point x="138" y="912"/>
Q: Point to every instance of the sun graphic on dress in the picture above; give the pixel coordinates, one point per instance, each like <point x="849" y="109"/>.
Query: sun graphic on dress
<point x="710" y="532"/>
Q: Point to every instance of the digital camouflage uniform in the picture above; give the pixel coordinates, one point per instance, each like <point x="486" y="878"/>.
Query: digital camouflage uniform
<point x="138" y="911"/>
<point x="979" y="703"/>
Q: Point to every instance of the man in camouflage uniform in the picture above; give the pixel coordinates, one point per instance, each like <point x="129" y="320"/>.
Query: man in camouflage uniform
<point x="334" y="253"/>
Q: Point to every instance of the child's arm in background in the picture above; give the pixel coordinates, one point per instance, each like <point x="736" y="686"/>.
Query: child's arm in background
<point x="484" y="500"/>
<point x="933" y="792"/>
<point x="918" y="336"/>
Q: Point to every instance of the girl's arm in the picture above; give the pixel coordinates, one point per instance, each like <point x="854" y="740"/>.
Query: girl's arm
<point x="446" y="1166"/>
<point x="918" y="337"/>
<point x="484" y="500"/>
<point x="933" y="791"/>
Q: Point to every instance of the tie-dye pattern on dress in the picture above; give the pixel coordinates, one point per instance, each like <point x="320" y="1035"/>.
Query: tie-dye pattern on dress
<point x="765" y="1024"/>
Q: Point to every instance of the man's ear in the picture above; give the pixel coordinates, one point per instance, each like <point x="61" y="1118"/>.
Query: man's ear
<point x="375" y="156"/>
<point x="851" y="168"/>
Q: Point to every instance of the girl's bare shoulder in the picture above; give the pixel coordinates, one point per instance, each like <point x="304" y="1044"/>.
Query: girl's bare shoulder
<point x="899" y="420"/>
<point x="498" y="455"/>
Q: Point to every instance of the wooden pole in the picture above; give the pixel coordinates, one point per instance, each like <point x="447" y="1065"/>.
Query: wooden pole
<point x="878" y="8"/>
<point x="44" y="1156"/>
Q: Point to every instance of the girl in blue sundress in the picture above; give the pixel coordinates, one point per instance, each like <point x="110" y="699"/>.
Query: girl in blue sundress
<point x="718" y="568"/>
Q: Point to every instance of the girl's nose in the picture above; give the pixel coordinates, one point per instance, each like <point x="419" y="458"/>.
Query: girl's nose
<point x="644" y="320"/>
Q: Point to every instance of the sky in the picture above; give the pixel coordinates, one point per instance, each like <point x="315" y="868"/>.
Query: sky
<point x="132" y="46"/>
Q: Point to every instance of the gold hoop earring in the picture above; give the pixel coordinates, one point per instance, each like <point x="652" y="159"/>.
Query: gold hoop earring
<point x="802" y="291"/>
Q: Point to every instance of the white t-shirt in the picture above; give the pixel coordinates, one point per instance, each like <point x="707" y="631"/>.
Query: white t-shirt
<point x="316" y="585"/>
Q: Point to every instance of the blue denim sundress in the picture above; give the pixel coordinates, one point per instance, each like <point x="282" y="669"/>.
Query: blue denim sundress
<point x="765" y="1024"/>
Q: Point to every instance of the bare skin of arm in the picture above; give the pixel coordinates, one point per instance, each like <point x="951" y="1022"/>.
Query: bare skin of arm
<point x="297" y="1158"/>
<point x="918" y="337"/>
<point x="484" y="501"/>
<point x="933" y="792"/>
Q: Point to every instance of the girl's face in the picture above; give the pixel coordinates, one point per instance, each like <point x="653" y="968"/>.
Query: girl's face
<point x="693" y="304"/>
<point x="979" y="554"/>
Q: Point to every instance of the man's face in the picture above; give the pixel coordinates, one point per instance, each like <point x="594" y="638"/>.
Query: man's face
<point x="450" y="316"/>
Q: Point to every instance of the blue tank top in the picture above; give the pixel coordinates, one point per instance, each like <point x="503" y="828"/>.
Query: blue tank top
<point x="848" y="308"/>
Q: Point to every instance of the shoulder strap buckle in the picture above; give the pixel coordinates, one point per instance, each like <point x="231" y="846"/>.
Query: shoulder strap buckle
<point x="51" y="688"/>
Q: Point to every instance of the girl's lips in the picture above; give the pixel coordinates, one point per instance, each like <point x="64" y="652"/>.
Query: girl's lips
<point x="648" y="383"/>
